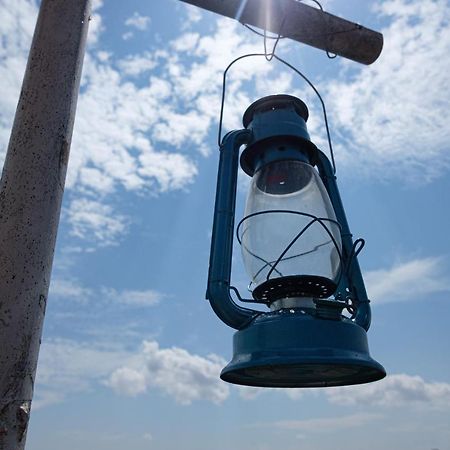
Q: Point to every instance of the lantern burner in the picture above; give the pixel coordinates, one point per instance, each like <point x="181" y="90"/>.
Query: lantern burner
<point x="280" y="285"/>
<point x="294" y="286"/>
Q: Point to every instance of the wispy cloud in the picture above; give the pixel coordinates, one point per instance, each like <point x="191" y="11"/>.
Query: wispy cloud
<point x="412" y="280"/>
<point x="193" y="14"/>
<point x="95" y="222"/>
<point x="136" y="298"/>
<point x="68" y="367"/>
<point x="248" y="392"/>
<point x="16" y="31"/>
<point x="138" y="21"/>
<point x="329" y="424"/>
<point x="391" y="117"/>
<point x="96" y="27"/>
<point x="136" y="65"/>
<point x="69" y="289"/>
<point x="394" y="390"/>
<point x="72" y="289"/>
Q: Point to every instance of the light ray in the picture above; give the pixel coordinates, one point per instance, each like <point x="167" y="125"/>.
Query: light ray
<point x="241" y="10"/>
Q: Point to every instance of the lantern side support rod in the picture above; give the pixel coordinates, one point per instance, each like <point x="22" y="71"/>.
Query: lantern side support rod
<point x="218" y="291"/>
<point x="357" y="287"/>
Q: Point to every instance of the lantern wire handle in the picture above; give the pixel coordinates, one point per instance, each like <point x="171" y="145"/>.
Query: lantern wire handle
<point x="269" y="56"/>
<point x="287" y="258"/>
<point x="244" y="300"/>
<point x="358" y="245"/>
<point x="280" y="36"/>
<point x="329" y="54"/>
<point x="253" y="30"/>
<point x="299" y="235"/>
<point x="266" y="263"/>
<point x="324" y="110"/>
<point x="298" y="72"/>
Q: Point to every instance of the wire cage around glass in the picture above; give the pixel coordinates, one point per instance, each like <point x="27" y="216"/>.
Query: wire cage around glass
<point x="290" y="238"/>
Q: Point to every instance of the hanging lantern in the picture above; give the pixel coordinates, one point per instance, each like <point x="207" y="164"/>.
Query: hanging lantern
<point x="299" y="255"/>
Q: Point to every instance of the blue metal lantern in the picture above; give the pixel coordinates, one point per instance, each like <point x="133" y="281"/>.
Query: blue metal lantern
<point x="299" y="254"/>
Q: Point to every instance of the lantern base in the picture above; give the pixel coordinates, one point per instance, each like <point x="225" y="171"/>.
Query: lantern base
<point x="290" y="348"/>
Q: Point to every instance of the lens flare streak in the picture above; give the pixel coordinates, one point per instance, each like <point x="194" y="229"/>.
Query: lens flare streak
<point x="241" y="10"/>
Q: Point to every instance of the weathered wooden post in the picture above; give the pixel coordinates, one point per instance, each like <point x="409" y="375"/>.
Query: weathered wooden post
<point x="31" y="190"/>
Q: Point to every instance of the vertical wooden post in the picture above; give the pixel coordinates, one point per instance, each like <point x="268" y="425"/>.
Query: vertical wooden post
<point x="31" y="189"/>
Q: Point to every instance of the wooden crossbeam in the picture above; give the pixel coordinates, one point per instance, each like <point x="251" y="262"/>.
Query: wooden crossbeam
<point x="302" y="23"/>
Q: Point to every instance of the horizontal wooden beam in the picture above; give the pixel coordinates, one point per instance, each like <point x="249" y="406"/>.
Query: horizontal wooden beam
<point x="303" y="23"/>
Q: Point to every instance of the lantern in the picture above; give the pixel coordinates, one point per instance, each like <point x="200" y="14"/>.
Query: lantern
<point x="299" y="255"/>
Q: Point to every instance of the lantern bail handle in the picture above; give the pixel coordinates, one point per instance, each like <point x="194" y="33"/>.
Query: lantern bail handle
<point x="219" y="276"/>
<point x="300" y="74"/>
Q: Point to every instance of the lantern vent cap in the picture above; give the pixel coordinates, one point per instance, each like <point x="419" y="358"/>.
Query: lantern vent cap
<point x="274" y="102"/>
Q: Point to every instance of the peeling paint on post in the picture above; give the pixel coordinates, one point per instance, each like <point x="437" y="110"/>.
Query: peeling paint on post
<point x="31" y="190"/>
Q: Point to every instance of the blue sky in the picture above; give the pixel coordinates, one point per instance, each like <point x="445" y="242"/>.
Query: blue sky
<point x="131" y="351"/>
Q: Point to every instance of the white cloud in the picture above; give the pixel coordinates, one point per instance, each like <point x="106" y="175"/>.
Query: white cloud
<point x="128" y="381"/>
<point x="186" y="43"/>
<point x="135" y="133"/>
<point x="171" y="170"/>
<point x="127" y="36"/>
<point x="140" y="117"/>
<point x="175" y="371"/>
<point x="92" y="178"/>
<point x="96" y="222"/>
<point x="17" y="25"/>
<point x="16" y="31"/>
<point x="296" y="393"/>
<point x="412" y="280"/>
<point x="95" y="23"/>
<point x="137" y="298"/>
<point x="171" y="110"/>
<point x="125" y="155"/>
<point x="394" y="390"/>
<point x="46" y="397"/>
<point x="330" y="424"/>
<point x="199" y="82"/>
<point x="136" y="65"/>
<point x="249" y="392"/>
<point x="391" y="117"/>
<point x="193" y="13"/>
<point x="69" y="289"/>
<point x="147" y="437"/>
<point x="138" y="21"/>
<point x="67" y="367"/>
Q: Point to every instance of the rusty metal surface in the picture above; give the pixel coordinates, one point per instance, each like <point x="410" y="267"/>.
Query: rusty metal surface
<point x="31" y="190"/>
<point x="302" y="23"/>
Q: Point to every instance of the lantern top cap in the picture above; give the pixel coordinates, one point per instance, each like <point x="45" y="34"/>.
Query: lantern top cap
<point x="273" y="102"/>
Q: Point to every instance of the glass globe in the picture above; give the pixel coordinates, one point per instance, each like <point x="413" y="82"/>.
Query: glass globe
<point x="289" y="235"/>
